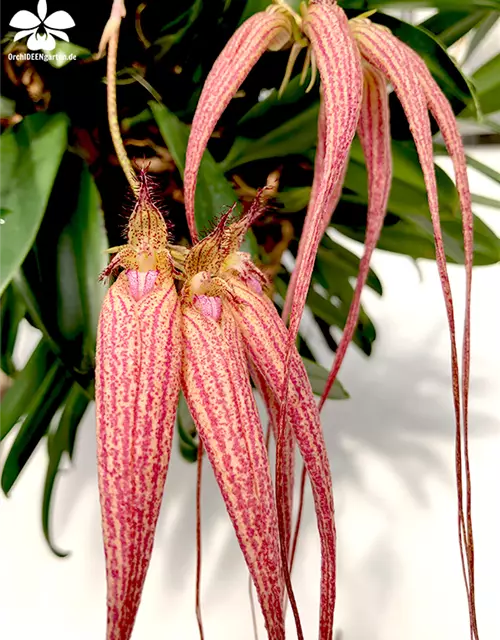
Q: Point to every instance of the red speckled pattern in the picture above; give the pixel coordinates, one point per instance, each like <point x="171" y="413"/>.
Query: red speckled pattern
<point x="265" y="338"/>
<point x="375" y="135"/>
<point x="216" y="386"/>
<point x="234" y="63"/>
<point x="137" y="385"/>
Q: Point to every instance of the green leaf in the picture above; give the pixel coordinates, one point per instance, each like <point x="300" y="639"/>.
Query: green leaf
<point x="418" y="4"/>
<point x="13" y="311"/>
<point x="31" y="154"/>
<point x="17" y="399"/>
<point x="333" y="258"/>
<point x="86" y="240"/>
<point x="213" y="192"/>
<point x="482" y="31"/>
<point x="68" y="52"/>
<point x="293" y="200"/>
<point x="60" y="442"/>
<point x="186" y="428"/>
<point x="414" y="237"/>
<point x="318" y="376"/>
<point x="276" y="109"/>
<point x="408" y="194"/>
<point x="450" y="26"/>
<point x="293" y="137"/>
<point x="41" y="410"/>
<point x="483" y="168"/>
<point x="487" y="82"/>
<point x="297" y="135"/>
<point x="335" y="315"/>
<point x="440" y="150"/>
<point x="22" y="288"/>
<point x="187" y="18"/>
<point x="7" y="107"/>
<point x="487" y="202"/>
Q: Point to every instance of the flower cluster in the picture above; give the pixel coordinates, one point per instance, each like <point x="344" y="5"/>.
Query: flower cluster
<point x="356" y="59"/>
<point x="204" y="325"/>
<point x="200" y="321"/>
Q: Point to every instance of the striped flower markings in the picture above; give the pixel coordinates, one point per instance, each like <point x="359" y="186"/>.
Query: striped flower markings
<point x="356" y="60"/>
<point x="216" y="385"/>
<point x="138" y="364"/>
<point x="221" y="329"/>
<point x="419" y="93"/>
<point x="232" y="332"/>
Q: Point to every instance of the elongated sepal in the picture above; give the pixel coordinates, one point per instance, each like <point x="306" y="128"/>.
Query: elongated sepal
<point x="266" y="338"/>
<point x="137" y="386"/>
<point x="328" y="209"/>
<point x="392" y="59"/>
<point x="445" y="118"/>
<point x="216" y="386"/>
<point x="339" y="67"/>
<point x="375" y="136"/>
<point x="288" y="468"/>
<point x="417" y="92"/>
<point x="262" y="31"/>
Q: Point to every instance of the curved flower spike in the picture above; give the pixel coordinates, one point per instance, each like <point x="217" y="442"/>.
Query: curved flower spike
<point x="263" y="31"/>
<point x="375" y="136"/>
<point x="138" y="362"/>
<point x="216" y="386"/>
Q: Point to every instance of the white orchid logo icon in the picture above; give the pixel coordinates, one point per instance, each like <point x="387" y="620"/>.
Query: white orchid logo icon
<point x="41" y="28"/>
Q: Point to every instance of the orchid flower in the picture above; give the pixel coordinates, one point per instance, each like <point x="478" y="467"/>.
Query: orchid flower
<point x="208" y="339"/>
<point x="138" y="364"/>
<point x="356" y="60"/>
<point x="227" y="288"/>
<point x="200" y="320"/>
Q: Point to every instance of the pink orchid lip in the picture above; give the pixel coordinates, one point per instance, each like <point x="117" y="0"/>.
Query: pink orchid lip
<point x="210" y="306"/>
<point x="254" y="284"/>
<point x="141" y="282"/>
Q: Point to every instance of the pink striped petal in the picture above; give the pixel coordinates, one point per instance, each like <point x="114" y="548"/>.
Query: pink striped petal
<point x="327" y="211"/>
<point x="265" y="338"/>
<point x="339" y="66"/>
<point x="416" y="93"/>
<point x="137" y="386"/>
<point x="375" y="136"/>
<point x="216" y="386"/>
<point x="445" y="118"/>
<point x="262" y="31"/>
<point x="390" y="56"/>
<point x="288" y="467"/>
